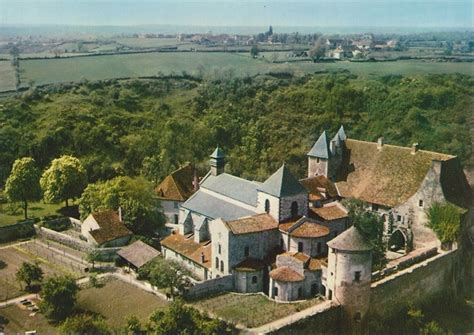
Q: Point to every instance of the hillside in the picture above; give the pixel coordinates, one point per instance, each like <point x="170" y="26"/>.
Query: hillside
<point x="147" y="127"/>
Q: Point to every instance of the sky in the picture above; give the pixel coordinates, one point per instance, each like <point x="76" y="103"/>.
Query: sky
<point x="314" y="13"/>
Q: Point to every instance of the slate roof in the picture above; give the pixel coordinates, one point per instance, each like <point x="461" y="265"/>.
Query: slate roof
<point x="178" y="185"/>
<point x="329" y="212"/>
<point x="321" y="147"/>
<point x="386" y="177"/>
<point x="188" y="248"/>
<point x="285" y="274"/>
<point x="233" y="187"/>
<point x="218" y="153"/>
<point x="214" y="207"/>
<point x="252" y="224"/>
<point x="282" y="184"/>
<point x="342" y="133"/>
<point x="350" y="240"/>
<point x="138" y="253"/>
<point x="110" y="227"/>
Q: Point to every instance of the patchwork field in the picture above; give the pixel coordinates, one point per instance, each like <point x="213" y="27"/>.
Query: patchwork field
<point x="149" y="64"/>
<point x="250" y="310"/>
<point x="50" y="261"/>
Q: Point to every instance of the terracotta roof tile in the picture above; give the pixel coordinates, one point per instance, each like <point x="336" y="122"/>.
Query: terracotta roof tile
<point x="316" y="263"/>
<point x="178" y="185"/>
<point x="386" y="177"/>
<point x="187" y="247"/>
<point x="252" y="224"/>
<point x="110" y="227"/>
<point x="310" y="230"/>
<point x="315" y="184"/>
<point x="329" y="212"/>
<point x="350" y="240"/>
<point x="286" y="274"/>
<point x="301" y="256"/>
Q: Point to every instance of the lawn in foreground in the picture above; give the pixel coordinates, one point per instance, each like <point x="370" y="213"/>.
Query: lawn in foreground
<point x="18" y="321"/>
<point x="117" y="299"/>
<point x="251" y="310"/>
<point x="35" y="210"/>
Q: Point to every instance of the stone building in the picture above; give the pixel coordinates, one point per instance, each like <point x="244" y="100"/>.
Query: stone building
<point x="105" y="229"/>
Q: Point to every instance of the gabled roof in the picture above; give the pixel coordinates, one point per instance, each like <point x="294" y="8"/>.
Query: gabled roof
<point x="329" y="212"/>
<point x="321" y="147"/>
<point x="386" y="176"/>
<point x="178" y="185"/>
<point x="282" y="184"/>
<point x="218" y="153"/>
<point x="350" y="240"/>
<point x="314" y="184"/>
<point x="110" y="227"/>
<point x="188" y="248"/>
<point x="138" y="253"/>
<point x="252" y="224"/>
<point x="233" y="187"/>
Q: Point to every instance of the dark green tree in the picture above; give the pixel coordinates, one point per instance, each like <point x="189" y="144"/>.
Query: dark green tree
<point x="28" y="273"/>
<point x="58" y="297"/>
<point x="85" y="324"/>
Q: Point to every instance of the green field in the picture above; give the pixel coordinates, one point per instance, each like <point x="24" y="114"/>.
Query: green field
<point x="149" y="64"/>
<point x="35" y="210"/>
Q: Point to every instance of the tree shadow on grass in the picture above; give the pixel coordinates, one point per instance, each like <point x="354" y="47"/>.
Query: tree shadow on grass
<point x="3" y="265"/>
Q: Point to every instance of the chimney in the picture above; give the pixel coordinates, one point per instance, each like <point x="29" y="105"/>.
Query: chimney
<point x="202" y="257"/>
<point x="195" y="181"/>
<point x="120" y="213"/>
<point x="414" y="148"/>
<point x="380" y="143"/>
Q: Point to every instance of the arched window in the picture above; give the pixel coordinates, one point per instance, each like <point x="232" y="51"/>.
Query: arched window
<point x="247" y="251"/>
<point x="275" y="291"/>
<point x="222" y="266"/>
<point x="254" y="280"/>
<point x="267" y="206"/>
<point x="300" y="292"/>
<point x="217" y="263"/>
<point x="319" y="247"/>
<point x="300" y="246"/>
<point x="294" y="208"/>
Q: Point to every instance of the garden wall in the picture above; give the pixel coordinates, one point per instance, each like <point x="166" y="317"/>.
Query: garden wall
<point x="15" y="231"/>
<point x="414" y="284"/>
<point x="211" y="286"/>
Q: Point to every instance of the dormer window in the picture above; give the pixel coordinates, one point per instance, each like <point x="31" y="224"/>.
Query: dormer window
<point x="267" y="206"/>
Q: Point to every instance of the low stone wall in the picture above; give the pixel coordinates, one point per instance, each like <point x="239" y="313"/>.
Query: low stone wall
<point x="211" y="286"/>
<point x="414" y="284"/>
<point x="15" y="231"/>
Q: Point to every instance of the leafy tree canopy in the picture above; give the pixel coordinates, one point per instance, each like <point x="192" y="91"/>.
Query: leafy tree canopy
<point x="65" y="179"/>
<point x="28" y="273"/>
<point x="135" y="197"/>
<point x="85" y="324"/>
<point x="23" y="182"/>
<point x="58" y="297"/>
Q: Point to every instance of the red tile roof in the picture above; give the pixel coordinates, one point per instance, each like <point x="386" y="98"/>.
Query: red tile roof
<point x="329" y="212"/>
<point x="110" y="227"/>
<point x="310" y="230"/>
<point x="188" y="248"/>
<point x="178" y="185"/>
<point x="316" y="184"/>
<point x="286" y="274"/>
<point x="252" y="224"/>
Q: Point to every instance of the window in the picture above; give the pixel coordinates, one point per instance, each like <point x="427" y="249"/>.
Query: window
<point x="275" y="291"/>
<point x="175" y="204"/>
<point x="246" y="251"/>
<point x="222" y="266"/>
<point x="300" y="292"/>
<point x="267" y="206"/>
<point x="217" y="263"/>
<point x="420" y="203"/>
<point x="300" y="246"/>
<point x="219" y="248"/>
<point x="254" y="280"/>
<point x="330" y="295"/>
<point x="335" y="233"/>
<point x="176" y="217"/>
<point x="317" y="159"/>
<point x="357" y="276"/>
<point x="319" y="247"/>
<point x="294" y="208"/>
<point x="399" y="218"/>
<point x="357" y="317"/>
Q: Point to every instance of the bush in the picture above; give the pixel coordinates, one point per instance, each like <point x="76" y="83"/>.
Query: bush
<point x="85" y="324"/>
<point x="56" y="223"/>
<point x="445" y="220"/>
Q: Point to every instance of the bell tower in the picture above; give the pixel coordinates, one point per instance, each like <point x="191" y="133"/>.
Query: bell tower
<point x="217" y="162"/>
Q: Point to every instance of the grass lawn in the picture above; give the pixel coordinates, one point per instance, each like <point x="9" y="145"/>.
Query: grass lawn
<point x="117" y="299"/>
<point x="52" y="264"/>
<point x="35" y="209"/>
<point x="250" y="310"/>
<point x="19" y="321"/>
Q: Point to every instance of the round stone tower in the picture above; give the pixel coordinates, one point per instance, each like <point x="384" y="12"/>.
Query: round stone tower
<point x="348" y="278"/>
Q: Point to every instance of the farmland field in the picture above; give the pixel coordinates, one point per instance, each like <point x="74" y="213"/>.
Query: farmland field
<point x="51" y="263"/>
<point x="7" y="76"/>
<point x="149" y="64"/>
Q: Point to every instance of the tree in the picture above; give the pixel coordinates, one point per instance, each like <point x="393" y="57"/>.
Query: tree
<point x="133" y="325"/>
<point x="319" y="49"/>
<point x="254" y="51"/>
<point x="135" y="196"/>
<point x="23" y="182"/>
<point x="65" y="179"/>
<point x="92" y="257"/>
<point x="85" y="324"/>
<point x="28" y="273"/>
<point x="58" y="297"/>
<point x="445" y="220"/>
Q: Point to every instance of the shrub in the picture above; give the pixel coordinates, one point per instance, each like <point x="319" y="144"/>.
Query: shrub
<point x="445" y="220"/>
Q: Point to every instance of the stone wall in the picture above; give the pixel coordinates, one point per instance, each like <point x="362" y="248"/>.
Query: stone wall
<point x="285" y="206"/>
<point x="414" y="284"/>
<point x="200" y="271"/>
<point x="211" y="286"/>
<point x="317" y="166"/>
<point x="15" y="231"/>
